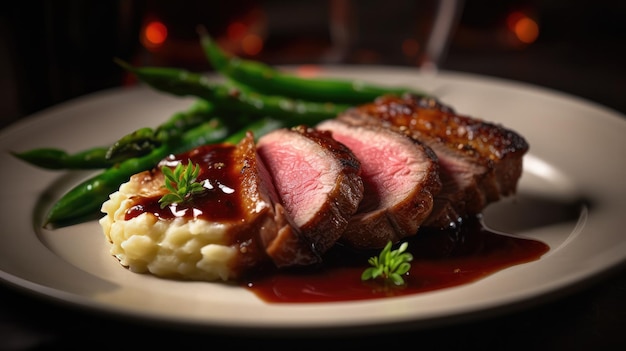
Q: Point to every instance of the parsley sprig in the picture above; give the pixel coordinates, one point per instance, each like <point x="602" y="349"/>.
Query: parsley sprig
<point x="389" y="265"/>
<point x="181" y="183"/>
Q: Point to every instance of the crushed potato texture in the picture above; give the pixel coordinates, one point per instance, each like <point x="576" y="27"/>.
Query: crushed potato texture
<point x="183" y="249"/>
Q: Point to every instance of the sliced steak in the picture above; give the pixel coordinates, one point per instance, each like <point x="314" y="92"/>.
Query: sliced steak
<point x="318" y="189"/>
<point x="400" y="177"/>
<point x="480" y="162"/>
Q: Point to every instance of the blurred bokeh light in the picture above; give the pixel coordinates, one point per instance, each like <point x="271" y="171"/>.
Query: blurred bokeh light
<point x="56" y="51"/>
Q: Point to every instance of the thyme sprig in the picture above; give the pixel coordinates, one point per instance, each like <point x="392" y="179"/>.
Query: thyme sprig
<point x="389" y="265"/>
<point x="181" y="183"/>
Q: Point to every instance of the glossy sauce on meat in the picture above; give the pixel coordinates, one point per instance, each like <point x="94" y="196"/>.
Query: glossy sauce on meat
<point x="220" y="176"/>
<point x="442" y="259"/>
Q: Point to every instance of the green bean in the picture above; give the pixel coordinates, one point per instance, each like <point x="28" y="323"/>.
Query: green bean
<point x="268" y="80"/>
<point x="135" y="144"/>
<point x="199" y="112"/>
<point x="259" y="128"/>
<point x="85" y="200"/>
<point x="143" y="140"/>
<point x="234" y="98"/>
<point x="52" y="158"/>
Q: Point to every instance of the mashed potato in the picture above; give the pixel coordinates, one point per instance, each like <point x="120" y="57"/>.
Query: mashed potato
<point x="178" y="248"/>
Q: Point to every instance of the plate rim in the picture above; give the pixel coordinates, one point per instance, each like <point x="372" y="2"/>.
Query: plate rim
<point x="346" y="326"/>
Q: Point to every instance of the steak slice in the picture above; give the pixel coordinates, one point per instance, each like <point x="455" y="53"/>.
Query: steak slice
<point x="400" y="177"/>
<point x="318" y="188"/>
<point x="480" y="162"/>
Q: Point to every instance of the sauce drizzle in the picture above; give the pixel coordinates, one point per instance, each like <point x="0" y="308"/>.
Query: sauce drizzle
<point x="442" y="259"/>
<point x="219" y="173"/>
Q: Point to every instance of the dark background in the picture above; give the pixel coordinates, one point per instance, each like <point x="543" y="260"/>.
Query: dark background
<point x="53" y="51"/>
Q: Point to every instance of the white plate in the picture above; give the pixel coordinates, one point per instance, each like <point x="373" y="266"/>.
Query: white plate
<point x="571" y="196"/>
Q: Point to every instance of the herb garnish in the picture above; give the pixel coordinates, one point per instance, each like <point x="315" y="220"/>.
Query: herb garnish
<point x="181" y="183"/>
<point x="389" y="265"/>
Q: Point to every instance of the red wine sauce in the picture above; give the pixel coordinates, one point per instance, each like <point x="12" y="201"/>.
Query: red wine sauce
<point x="442" y="259"/>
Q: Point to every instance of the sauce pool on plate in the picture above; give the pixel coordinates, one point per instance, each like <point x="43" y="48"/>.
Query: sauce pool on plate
<point x="441" y="259"/>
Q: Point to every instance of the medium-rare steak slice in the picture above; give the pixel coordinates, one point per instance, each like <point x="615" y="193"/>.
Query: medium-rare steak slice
<point x="400" y="177"/>
<point x="318" y="186"/>
<point x="480" y="162"/>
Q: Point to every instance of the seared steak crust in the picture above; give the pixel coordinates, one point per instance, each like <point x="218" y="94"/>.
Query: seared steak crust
<point x="318" y="186"/>
<point x="480" y="162"/>
<point x="400" y="177"/>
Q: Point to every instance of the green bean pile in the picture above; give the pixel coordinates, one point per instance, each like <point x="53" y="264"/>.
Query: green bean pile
<point x="253" y="97"/>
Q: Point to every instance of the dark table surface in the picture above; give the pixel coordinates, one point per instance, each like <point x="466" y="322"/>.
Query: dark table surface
<point x="590" y="316"/>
